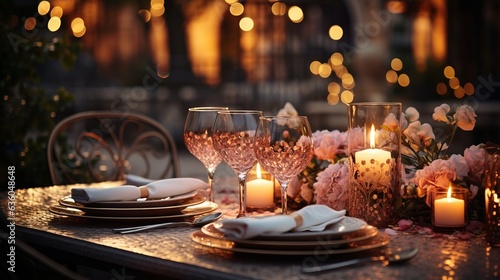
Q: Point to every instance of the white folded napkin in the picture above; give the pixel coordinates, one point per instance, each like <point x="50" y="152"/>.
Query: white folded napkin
<point x="309" y="218"/>
<point x="155" y="190"/>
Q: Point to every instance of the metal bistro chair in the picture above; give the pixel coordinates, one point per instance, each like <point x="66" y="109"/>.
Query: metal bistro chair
<point x="98" y="146"/>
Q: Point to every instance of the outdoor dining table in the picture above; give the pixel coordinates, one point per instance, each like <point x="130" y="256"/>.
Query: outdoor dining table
<point x="170" y="253"/>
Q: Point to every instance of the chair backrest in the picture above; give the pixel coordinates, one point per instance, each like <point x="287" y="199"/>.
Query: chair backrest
<point x="97" y="146"/>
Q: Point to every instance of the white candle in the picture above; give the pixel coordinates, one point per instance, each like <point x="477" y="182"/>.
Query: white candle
<point x="379" y="156"/>
<point x="449" y="211"/>
<point x="260" y="192"/>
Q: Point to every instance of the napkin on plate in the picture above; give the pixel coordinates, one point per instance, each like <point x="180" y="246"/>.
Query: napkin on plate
<point x="309" y="218"/>
<point x="154" y="190"/>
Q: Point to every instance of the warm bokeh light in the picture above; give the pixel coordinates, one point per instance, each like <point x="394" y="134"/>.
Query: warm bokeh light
<point x="396" y="6"/>
<point x="324" y="70"/>
<point x="441" y="88"/>
<point x="43" y="7"/>
<point x="347" y="96"/>
<point x="454" y="83"/>
<point x="314" y="67"/>
<point x="295" y="14"/>
<point x="449" y="72"/>
<point x="54" y="24"/>
<point x="336" y="32"/>
<point x="30" y="23"/>
<point x="340" y="71"/>
<point x="347" y="78"/>
<point x="333" y="88"/>
<point x="469" y="89"/>
<point x="332" y="99"/>
<point x="157" y="8"/>
<point x="278" y="9"/>
<point x="145" y="14"/>
<point x="80" y="33"/>
<point x="391" y="76"/>
<point x="246" y="24"/>
<point x="396" y="64"/>
<point x="236" y="9"/>
<point x="459" y="92"/>
<point x="336" y="59"/>
<point x="230" y="2"/>
<point x="404" y="80"/>
<point x="56" y="12"/>
<point x="77" y="25"/>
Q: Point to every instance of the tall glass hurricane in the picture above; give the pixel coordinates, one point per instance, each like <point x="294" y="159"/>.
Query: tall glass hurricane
<point x="233" y="135"/>
<point x="284" y="147"/>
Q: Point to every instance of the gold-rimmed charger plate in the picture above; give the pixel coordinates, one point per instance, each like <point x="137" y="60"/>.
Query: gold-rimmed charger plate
<point x="187" y="212"/>
<point x="380" y="240"/>
<point x="133" y="211"/>
<point x="143" y="203"/>
<point x="324" y="241"/>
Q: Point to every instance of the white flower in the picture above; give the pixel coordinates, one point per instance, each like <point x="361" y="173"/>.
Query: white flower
<point x="440" y="113"/>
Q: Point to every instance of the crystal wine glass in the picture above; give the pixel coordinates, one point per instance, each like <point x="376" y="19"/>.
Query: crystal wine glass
<point x="284" y="147"/>
<point x="198" y="139"/>
<point x="233" y="135"/>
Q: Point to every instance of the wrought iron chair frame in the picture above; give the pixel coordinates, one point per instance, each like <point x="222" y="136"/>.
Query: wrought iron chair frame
<point x="119" y="153"/>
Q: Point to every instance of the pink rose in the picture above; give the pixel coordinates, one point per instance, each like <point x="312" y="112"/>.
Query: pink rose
<point x="461" y="168"/>
<point x="391" y="122"/>
<point x="327" y="145"/>
<point x="419" y="134"/>
<point x="438" y="175"/>
<point x="440" y="113"/>
<point x="475" y="157"/>
<point x="332" y="186"/>
<point x="465" y="117"/>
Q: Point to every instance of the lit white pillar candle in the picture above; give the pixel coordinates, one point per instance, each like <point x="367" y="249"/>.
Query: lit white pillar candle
<point x="449" y="211"/>
<point x="380" y="156"/>
<point x="260" y="192"/>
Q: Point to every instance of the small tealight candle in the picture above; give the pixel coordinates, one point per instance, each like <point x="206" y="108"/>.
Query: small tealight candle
<point x="260" y="192"/>
<point x="450" y="211"/>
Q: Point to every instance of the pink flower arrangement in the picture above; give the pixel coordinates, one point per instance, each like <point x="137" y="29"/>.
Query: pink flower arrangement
<point x="426" y="165"/>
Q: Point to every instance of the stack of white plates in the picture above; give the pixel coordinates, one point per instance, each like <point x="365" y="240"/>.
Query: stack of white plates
<point x="175" y="207"/>
<point x="347" y="236"/>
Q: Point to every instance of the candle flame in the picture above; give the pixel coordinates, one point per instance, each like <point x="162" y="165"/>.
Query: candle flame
<point x="449" y="192"/>
<point x="259" y="176"/>
<point x="372" y="137"/>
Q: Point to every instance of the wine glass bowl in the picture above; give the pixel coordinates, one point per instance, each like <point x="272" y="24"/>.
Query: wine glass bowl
<point x="284" y="146"/>
<point x="233" y="136"/>
<point x="198" y="139"/>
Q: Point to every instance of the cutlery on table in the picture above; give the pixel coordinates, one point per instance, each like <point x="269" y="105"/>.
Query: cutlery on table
<point x="201" y="221"/>
<point x="395" y="257"/>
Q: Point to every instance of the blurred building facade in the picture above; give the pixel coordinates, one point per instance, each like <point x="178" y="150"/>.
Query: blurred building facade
<point x="161" y="57"/>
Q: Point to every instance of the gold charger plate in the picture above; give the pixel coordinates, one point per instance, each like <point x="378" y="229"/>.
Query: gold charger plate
<point x="189" y="211"/>
<point x="380" y="240"/>
<point x="134" y="211"/>
<point x="322" y="240"/>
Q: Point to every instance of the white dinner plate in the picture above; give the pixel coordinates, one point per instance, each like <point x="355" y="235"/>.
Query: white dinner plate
<point x="380" y="240"/>
<point x="133" y="211"/>
<point x="189" y="211"/>
<point x="143" y="203"/>
<point x="321" y="242"/>
<point x="332" y="231"/>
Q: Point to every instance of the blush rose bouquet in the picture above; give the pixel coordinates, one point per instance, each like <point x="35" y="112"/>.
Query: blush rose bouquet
<point x="426" y="164"/>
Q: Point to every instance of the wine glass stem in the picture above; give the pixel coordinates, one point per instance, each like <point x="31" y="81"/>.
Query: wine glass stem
<point x="211" y="185"/>
<point x="284" y="198"/>
<point x="241" y="181"/>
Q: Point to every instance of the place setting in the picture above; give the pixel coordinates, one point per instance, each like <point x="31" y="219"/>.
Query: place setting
<point x="311" y="230"/>
<point x="167" y="199"/>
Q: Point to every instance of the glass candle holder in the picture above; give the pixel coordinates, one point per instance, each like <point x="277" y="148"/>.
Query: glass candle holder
<point x="374" y="140"/>
<point x="492" y="199"/>
<point x="260" y="188"/>
<point x="449" y="208"/>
